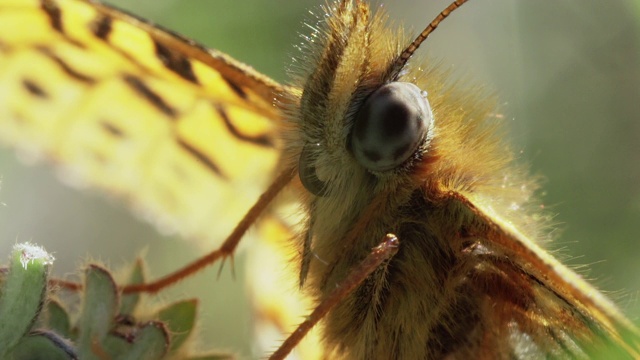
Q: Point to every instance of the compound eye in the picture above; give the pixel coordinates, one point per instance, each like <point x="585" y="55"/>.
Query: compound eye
<point x="390" y="126"/>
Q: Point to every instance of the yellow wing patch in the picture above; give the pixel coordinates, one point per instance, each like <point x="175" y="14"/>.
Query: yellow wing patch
<point x="186" y="135"/>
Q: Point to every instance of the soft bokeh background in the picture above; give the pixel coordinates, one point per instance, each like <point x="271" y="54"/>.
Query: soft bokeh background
<point x="568" y="76"/>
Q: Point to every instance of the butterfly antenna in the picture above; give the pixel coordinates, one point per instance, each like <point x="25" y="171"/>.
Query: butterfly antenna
<point x="401" y="61"/>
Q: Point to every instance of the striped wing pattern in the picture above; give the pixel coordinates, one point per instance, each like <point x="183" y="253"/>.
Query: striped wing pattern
<point x="184" y="134"/>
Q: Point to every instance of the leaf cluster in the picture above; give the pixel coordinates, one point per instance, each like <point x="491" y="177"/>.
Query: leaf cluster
<point x="97" y="322"/>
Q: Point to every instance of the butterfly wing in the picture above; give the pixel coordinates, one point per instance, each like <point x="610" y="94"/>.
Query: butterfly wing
<point x="278" y="304"/>
<point x="532" y="305"/>
<point x="184" y="134"/>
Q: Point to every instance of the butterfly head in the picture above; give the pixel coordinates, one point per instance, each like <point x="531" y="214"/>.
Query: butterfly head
<point x="358" y="121"/>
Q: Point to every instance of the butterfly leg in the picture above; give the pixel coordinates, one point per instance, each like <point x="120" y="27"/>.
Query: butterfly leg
<point x="381" y="253"/>
<point x="227" y="248"/>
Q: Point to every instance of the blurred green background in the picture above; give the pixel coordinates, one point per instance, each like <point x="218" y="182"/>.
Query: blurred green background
<point x="568" y="77"/>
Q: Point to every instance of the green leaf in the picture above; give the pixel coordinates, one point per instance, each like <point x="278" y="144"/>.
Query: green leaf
<point x="23" y="293"/>
<point x="151" y="342"/>
<point x="130" y="301"/>
<point x="212" y="356"/>
<point x="43" y="345"/>
<point x="116" y="345"/>
<point x="99" y="306"/>
<point x="57" y="319"/>
<point x="180" y="318"/>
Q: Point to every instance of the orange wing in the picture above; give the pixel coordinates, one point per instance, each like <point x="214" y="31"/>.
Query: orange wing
<point x="534" y="305"/>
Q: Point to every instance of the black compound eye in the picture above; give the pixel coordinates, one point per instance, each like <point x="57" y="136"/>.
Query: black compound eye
<point x="307" y="173"/>
<point x="390" y="126"/>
